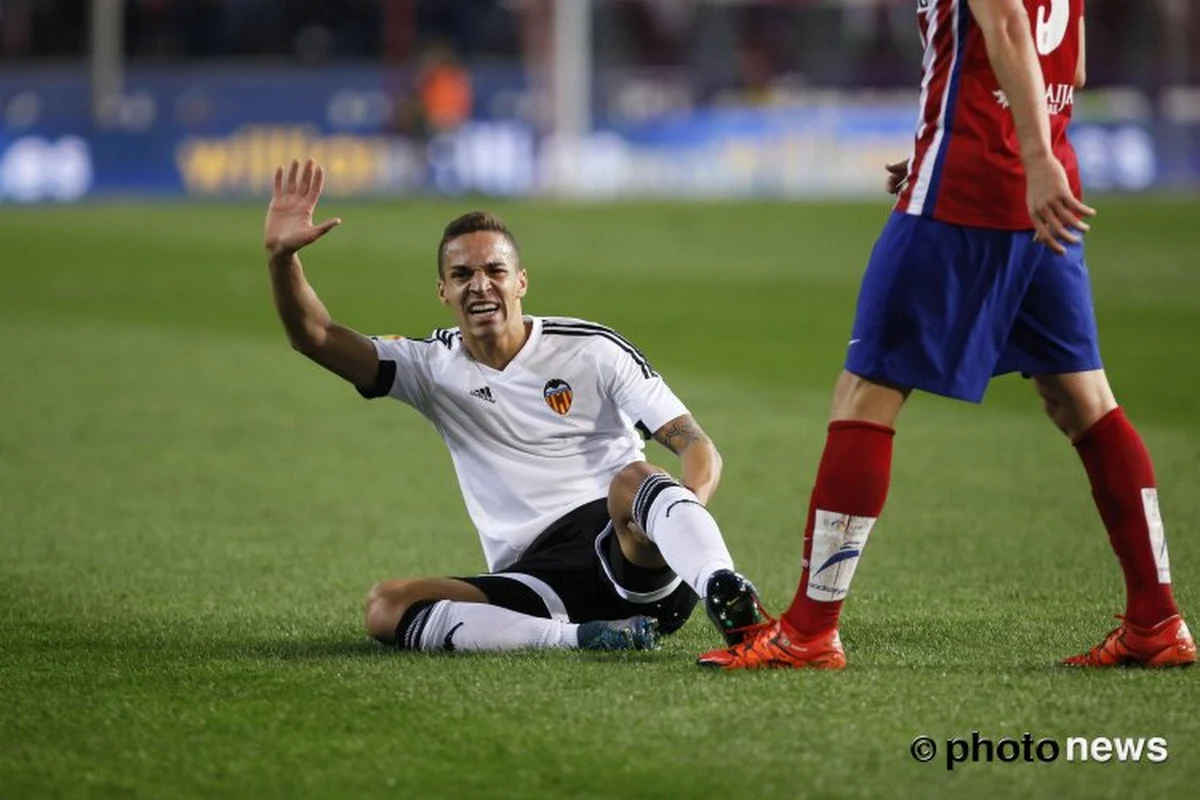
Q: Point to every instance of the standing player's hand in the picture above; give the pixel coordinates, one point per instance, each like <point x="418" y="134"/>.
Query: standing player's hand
<point x="289" y="225"/>
<point x="1056" y="212"/>
<point x="897" y="176"/>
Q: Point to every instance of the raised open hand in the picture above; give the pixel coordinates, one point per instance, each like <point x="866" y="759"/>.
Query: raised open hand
<point x="289" y="226"/>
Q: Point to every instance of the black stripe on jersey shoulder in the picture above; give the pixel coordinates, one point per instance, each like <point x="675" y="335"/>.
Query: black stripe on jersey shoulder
<point x="563" y="327"/>
<point x="443" y="336"/>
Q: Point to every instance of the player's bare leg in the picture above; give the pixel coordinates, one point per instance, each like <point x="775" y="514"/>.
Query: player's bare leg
<point x="636" y="546"/>
<point x="864" y="400"/>
<point x="1152" y="633"/>
<point x="661" y="525"/>
<point x="1075" y="401"/>
<point x="851" y="486"/>
<point x="448" y="614"/>
<point x="388" y="601"/>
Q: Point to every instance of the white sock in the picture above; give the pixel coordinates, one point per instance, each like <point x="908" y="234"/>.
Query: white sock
<point x="479" y="627"/>
<point x="685" y="533"/>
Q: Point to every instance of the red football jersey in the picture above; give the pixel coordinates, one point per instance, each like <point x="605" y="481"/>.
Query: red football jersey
<point x="966" y="168"/>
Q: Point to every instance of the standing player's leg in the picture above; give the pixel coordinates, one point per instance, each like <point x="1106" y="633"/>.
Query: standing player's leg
<point x="934" y="308"/>
<point x="448" y="614"/>
<point x="1054" y="339"/>
<point x="847" y="498"/>
<point x="662" y="524"/>
<point x="1121" y="474"/>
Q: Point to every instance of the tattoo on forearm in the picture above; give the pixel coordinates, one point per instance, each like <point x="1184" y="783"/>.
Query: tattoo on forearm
<point x="677" y="435"/>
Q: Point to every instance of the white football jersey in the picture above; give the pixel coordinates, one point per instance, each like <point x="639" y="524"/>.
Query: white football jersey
<point x="541" y="437"/>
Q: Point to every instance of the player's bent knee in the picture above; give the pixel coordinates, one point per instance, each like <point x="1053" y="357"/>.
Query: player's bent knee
<point x="385" y="606"/>
<point x="624" y="486"/>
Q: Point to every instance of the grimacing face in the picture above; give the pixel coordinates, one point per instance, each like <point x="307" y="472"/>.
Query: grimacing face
<point x="482" y="282"/>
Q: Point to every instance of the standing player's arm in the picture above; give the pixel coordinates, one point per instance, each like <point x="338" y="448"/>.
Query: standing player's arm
<point x="1081" y="65"/>
<point x="1054" y="209"/>
<point x="289" y="228"/>
<point x="897" y="177"/>
<point x="699" y="461"/>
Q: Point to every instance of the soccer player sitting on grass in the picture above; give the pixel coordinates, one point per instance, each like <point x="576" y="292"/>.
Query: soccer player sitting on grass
<point x="979" y="271"/>
<point x="587" y="545"/>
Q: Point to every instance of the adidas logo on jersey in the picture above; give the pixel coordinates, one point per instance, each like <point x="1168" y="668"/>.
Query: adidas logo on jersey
<point x="483" y="393"/>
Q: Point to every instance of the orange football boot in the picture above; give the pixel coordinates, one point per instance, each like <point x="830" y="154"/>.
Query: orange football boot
<point x="775" y="645"/>
<point x="1167" y="644"/>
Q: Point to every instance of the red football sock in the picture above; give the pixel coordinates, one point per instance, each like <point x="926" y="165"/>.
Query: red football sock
<point x="852" y="484"/>
<point x="1122" y="478"/>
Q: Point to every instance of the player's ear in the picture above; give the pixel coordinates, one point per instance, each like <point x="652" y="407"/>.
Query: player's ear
<point x="522" y="282"/>
<point x="442" y="292"/>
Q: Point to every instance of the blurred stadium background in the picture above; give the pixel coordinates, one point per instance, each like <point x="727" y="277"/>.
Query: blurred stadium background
<point x="190" y="513"/>
<point x="531" y="97"/>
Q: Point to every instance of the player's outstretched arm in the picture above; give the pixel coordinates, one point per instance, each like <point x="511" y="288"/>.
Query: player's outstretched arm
<point x="699" y="461"/>
<point x="1056" y="212"/>
<point x="289" y="228"/>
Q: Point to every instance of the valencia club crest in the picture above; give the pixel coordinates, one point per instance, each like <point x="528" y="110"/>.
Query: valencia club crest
<point x="558" y="395"/>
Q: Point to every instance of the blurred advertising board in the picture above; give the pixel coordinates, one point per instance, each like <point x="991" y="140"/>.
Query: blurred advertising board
<point x="220" y="133"/>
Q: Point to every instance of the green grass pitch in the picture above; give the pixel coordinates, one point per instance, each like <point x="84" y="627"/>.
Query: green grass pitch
<point x="190" y="514"/>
